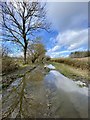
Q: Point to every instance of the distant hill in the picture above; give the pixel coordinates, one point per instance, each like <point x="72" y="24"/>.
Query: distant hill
<point x="80" y="54"/>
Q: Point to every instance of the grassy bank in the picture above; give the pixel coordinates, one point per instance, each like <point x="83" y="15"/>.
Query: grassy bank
<point x="72" y="72"/>
<point x="82" y="63"/>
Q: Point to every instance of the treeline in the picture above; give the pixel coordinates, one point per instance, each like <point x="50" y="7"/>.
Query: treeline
<point x="80" y="54"/>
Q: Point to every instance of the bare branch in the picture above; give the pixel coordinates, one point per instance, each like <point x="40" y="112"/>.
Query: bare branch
<point x="21" y="20"/>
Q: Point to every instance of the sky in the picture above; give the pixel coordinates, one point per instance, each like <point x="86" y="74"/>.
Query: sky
<point x="69" y="29"/>
<point x="70" y="23"/>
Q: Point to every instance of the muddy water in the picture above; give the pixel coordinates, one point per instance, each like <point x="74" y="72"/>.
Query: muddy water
<point x="37" y="95"/>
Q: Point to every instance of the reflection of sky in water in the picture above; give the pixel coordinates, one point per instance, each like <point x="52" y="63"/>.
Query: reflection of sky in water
<point x="16" y="83"/>
<point x="37" y="96"/>
<point x="66" y="84"/>
<point x="77" y="95"/>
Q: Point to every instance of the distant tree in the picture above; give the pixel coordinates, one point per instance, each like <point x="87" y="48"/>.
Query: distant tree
<point x="5" y="50"/>
<point x="36" y="51"/>
<point x="20" y="20"/>
<point x="88" y="53"/>
<point x="80" y="54"/>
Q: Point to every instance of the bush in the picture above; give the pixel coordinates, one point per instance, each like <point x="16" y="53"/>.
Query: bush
<point x="8" y="65"/>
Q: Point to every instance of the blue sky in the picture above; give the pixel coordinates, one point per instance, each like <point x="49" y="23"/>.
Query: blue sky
<point x="70" y="20"/>
<point x="69" y="29"/>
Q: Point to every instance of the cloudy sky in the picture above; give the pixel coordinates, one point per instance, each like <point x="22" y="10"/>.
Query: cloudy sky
<point x="70" y="28"/>
<point x="69" y="25"/>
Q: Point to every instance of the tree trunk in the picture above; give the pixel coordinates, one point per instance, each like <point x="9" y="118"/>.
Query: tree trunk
<point x="33" y="60"/>
<point x="25" y="54"/>
<point x="24" y="37"/>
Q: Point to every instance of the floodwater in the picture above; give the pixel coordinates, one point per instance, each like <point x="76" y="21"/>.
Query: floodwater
<point x="36" y="95"/>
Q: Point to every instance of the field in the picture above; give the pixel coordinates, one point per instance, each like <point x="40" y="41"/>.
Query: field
<point x="73" y="68"/>
<point x="82" y="63"/>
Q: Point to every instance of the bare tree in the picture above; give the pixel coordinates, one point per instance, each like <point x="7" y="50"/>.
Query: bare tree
<point x="5" y="50"/>
<point x="20" y="20"/>
<point x="36" y="51"/>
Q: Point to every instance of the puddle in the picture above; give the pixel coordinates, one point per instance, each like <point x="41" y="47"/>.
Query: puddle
<point x="16" y="83"/>
<point x="65" y="83"/>
<point x="71" y="94"/>
<point x="50" y="66"/>
<point x="37" y="95"/>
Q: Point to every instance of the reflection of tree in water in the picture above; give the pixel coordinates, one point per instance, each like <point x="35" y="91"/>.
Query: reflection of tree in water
<point x="17" y="100"/>
<point x="31" y="99"/>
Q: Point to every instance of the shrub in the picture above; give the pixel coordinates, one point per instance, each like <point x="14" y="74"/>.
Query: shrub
<point x="8" y="65"/>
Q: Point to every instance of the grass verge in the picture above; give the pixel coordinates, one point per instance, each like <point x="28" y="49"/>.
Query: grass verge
<point x="72" y="72"/>
<point x="82" y="63"/>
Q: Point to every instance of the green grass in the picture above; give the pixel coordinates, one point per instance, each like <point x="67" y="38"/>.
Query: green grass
<point x="71" y="72"/>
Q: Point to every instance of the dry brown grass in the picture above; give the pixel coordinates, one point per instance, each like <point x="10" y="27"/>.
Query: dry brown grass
<point x="72" y="72"/>
<point x="86" y="59"/>
<point x="82" y="63"/>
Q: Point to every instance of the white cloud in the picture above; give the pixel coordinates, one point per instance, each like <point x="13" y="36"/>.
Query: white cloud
<point x="68" y="15"/>
<point x="64" y="53"/>
<point x="69" y="41"/>
<point x="19" y="54"/>
<point x="73" y="39"/>
<point x="58" y="54"/>
<point x="54" y="48"/>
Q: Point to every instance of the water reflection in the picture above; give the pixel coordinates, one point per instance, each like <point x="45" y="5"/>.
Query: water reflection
<point x="38" y="96"/>
<point x="71" y="95"/>
<point x="20" y="97"/>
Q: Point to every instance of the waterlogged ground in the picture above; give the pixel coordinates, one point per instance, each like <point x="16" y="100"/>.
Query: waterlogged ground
<point x="41" y="94"/>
